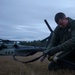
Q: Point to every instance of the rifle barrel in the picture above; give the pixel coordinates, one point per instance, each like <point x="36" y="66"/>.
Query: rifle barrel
<point x="48" y="25"/>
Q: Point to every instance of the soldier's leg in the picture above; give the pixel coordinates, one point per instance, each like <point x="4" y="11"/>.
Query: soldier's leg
<point x="57" y="65"/>
<point x="53" y="66"/>
<point x="53" y="62"/>
<point x="68" y="56"/>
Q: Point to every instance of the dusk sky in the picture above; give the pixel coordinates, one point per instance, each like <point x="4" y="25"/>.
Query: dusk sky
<point x="24" y="19"/>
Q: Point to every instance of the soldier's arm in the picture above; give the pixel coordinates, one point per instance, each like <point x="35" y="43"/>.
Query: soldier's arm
<point x="67" y="45"/>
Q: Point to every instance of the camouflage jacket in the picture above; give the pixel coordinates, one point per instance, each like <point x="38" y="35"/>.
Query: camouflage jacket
<point x="64" y="37"/>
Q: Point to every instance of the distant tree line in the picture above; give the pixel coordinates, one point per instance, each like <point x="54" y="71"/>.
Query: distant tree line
<point x="28" y="43"/>
<point x="33" y="43"/>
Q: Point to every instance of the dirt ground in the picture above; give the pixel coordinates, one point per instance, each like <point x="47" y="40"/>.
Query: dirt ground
<point x="10" y="67"/>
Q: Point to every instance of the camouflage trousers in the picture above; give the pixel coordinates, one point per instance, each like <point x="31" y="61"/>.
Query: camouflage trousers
<point x="65" y="55"/>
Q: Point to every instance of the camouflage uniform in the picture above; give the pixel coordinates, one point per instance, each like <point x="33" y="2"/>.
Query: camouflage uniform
<point x="63" y="39"/>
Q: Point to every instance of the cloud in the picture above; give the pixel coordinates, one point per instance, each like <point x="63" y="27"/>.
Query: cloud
<point x="24" y="19"/>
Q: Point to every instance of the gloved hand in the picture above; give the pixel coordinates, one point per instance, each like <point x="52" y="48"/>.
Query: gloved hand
<point x="52" y="51"/>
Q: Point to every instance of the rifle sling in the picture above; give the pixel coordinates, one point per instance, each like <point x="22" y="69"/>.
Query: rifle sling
<point x="33" y="60"/>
